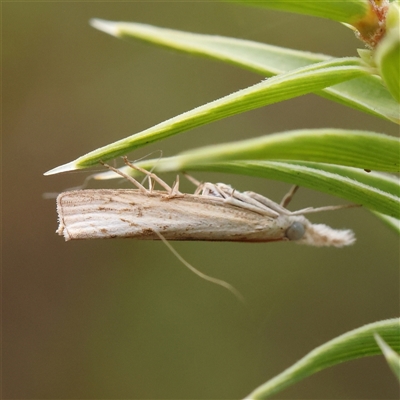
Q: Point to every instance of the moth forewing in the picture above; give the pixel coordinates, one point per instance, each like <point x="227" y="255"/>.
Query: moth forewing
<point x="107" y="213"/>
<point x="90" y="214"/>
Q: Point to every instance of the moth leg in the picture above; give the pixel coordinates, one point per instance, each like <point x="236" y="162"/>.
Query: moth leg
<point x="151" y="183"/>
<point x="288" y="196"/>
<point x="175" y="188"/>
<point x="150" y="175"/>
<point x="130" y="178"/>
<point x="199" y="189"/>
<point x="268" y="203"/>
<point x="238" y="199"/>
<point x="199" y="185"/>
<point x="218" y="190"/>
<point x="243" y="200"/>
<point x="251" y="207"/>
<point x="207" y="189"/>
<point x="191" y="179"/>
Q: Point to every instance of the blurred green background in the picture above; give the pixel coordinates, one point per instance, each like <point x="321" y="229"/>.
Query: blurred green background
<point x="125" y="319"/>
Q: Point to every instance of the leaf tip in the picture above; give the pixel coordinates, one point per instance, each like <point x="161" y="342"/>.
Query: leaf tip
<point x="62" y="168"/>
<point x="105" y="26"/>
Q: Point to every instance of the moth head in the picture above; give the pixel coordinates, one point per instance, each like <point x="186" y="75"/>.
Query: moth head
<point x="295" y="231"/>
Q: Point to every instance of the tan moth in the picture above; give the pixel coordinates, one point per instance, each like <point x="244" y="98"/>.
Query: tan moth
<point x="215" y="212"/>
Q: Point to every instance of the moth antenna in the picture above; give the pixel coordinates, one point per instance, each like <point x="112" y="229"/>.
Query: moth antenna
<point x="288" y="196"/>
<point x="53" y="195"/>
<point x="130" y="178"/>
<point x="216" y="281"/>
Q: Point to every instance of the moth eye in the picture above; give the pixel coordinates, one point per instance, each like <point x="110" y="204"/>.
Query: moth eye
<point x="295" y="231"/>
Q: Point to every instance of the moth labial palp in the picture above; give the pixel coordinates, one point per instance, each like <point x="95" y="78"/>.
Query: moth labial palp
<point x="215" y="212"/>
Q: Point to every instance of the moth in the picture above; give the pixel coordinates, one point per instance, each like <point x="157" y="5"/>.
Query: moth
<point x="215" y="212"/>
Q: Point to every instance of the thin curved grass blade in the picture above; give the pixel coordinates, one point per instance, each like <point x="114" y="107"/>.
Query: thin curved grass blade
<point x="350" y="346"/>
<point x="392" y="223"/>
<point x="343" y="11"/>
<point x="366" y="94"/>
<point x="392" y="358"/>
<point x="278" y="88"/>
<point x="361" y="149"/>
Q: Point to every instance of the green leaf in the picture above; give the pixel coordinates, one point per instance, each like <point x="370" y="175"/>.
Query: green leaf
<point x="278" y="88"/>
<point x="374" y="191"/>
<point x="380" y="181"/>
<point x="392" y="223"/>
<point x="342" y="11"/>
<point x="392" y="358"/>
<point x="366" y="17"/>
<point x="366" y="93"/>
<point x="352" y="345"/>
<point x="362" y="149"/>
<point x="387" y="52"/>
<point x="264" y="59"/>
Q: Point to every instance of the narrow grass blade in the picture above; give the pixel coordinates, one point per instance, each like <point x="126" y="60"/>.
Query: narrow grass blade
<point x="392" y="358"/>
<point x="275" y="89"/>
<point x="342" y="11"/>
<point x="378" y="180"/>
<point x="352" y="345"/>
<point x="367" y="17"/>
<point x="366" y="93"/>
<point x="387" y="52"/>
<point x="362" y="149"/>
<point x="392" y="223"/>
